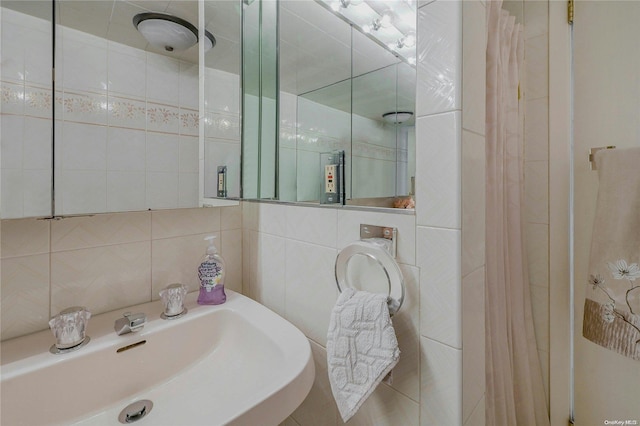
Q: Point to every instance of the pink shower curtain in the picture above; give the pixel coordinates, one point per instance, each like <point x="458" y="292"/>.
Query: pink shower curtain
<point x="515" y="393"/>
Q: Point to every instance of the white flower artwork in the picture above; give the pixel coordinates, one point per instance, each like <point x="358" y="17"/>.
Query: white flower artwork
<point x="620" y="270"/>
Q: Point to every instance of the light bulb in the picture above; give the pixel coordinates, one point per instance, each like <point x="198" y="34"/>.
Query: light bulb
<point x="411" y="60"/>
<point x="386" y="19"/>
<point x="409" y="40"/>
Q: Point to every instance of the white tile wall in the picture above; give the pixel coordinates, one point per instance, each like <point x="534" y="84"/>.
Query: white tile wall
<point x="438" y="181"/>
<point x="107" y="261"/>
<point x="439" y="57"/>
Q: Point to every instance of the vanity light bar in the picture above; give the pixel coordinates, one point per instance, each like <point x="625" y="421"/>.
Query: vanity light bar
<point x="380" y="25"/>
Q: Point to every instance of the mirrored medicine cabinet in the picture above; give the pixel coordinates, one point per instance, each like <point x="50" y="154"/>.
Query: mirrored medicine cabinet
<point x="123" y="125"/>
<point x="343" y="79"/>
<point x="125" y="122"/>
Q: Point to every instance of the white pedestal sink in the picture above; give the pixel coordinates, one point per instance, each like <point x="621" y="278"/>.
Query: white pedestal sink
<point x="237" y="364"/>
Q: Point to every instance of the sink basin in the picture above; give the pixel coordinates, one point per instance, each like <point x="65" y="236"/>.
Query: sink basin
<point x="237" y="364"/>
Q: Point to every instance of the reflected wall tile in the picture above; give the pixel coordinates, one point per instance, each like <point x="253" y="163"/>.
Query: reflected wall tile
<point x="12" y="141"/>
<point x="83" y="192"/>
<point x="473" y="336"/>
<point x="25" y="294"/>
<point x="473" y="201"/>
<point x="37" y="144"/>
<point x="38" y="101"/>
<point x="319" y="408"/>
<point x="189" y="121"/>
<point x="12" y="194"/>
<point x="163" y="118"/>
<point x="12" y="99"/>
<point x="231" y="250"/>
<point x="311" y="292"/>
<point x="162" y="190"/>
<point x="439" y="53"/>
<point x="438" y="254"/>
<point x="162" y="152"/>
<point x="22" y="237"/>
<point x="86" y="108"/>
<point x="85" y="62"/>
<point x="438" y="180"/>
<point x="176" y="260"/>
<point x="441" y="384"/>
<point x="163" y="78"/>
<point x="37" y="193"/>
<point x="189" y="154"/>
<point x="222" y="126"/>
<point x="188" y="85"/>
<point x="101" y="278"/>
<point x="176" y="223"/>
<point x="126" y="149"/>
<point x="128" y="113"/>
<point x="188" y="195"/>
<point x="126" y="191"/>
<point x="127" y="71"/>
<point x="84" y="147"/>
<point x="74" y="233"/>
<point x="223" y="97"/>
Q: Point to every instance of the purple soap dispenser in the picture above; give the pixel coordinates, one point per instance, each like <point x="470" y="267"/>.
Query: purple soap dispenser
<point x="211" y="273"/>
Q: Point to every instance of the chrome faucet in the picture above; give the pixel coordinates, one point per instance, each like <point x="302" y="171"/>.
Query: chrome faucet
<point x="130" y="323"/>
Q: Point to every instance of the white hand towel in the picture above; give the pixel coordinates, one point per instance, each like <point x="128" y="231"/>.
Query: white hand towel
<point x="361" y="348"/>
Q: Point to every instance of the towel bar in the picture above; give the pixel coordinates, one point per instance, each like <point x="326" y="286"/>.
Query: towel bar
<point x="380" y="257"/>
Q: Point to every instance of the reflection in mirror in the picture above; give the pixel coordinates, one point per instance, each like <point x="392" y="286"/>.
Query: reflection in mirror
<point x="222" y="97"/>
<point x="25" y="109"/>
<point x="260" y="97"/>
<point x="340" y="89"/>
<point x="126" y="112"/>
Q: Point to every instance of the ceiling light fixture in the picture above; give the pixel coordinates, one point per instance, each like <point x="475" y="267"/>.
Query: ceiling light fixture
<point x="398" y="117"/>
<point x="169" y="32"/>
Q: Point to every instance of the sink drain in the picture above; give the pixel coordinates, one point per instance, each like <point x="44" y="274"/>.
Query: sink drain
<point x="135" y="411"/>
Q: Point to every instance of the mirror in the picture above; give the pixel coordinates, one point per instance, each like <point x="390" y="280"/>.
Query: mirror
<point x="126" y="113"/>
<point x="341" y="89"/>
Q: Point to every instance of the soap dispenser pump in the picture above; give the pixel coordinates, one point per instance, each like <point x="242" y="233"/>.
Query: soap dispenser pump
<point x="211" y="273"/>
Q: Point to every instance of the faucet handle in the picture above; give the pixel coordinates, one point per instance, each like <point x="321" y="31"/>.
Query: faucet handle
<point x="130" y="323"/>
<point x="136" y="321"/>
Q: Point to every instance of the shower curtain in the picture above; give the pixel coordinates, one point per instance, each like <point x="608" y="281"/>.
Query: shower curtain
<point x="514" y="393"/>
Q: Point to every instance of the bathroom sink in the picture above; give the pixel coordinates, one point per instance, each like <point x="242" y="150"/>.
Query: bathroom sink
<point x="237" y="363"/>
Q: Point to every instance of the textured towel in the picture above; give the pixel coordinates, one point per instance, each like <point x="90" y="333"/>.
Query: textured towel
<point x="612" y="305"/>
<point x="361" y="348"/>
